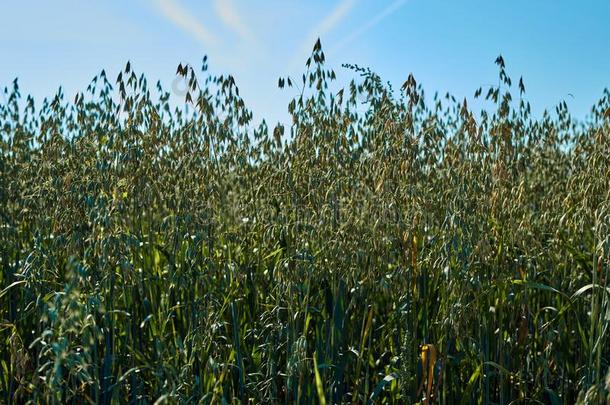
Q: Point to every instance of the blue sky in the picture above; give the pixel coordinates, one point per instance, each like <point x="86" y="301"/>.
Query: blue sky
<point x="561" y="48"/>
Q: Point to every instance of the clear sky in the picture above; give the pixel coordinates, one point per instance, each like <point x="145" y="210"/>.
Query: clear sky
<point x="562" y="48"/>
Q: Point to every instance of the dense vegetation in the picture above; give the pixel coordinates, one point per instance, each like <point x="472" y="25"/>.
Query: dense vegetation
<point x="381" y="246"/>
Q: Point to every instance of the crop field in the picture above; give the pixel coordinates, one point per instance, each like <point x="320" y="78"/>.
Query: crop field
<point x="384" y="246"/>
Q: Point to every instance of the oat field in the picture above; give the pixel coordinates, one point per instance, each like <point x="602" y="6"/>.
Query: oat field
<point x="385" y="246"/>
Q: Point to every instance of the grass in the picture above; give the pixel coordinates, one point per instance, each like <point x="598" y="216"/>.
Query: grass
<point x="381" y="247"/>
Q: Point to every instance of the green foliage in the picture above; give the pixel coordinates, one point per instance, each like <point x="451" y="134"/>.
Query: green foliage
<point x="381" y="247"/>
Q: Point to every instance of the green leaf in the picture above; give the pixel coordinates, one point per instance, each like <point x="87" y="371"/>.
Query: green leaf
<point x="588" y="287"/>
<point x="319" y="386"/>
<point x="381" y="385"/>
<point x="539" y="286"/>
<point x="16" y="283"/>
<point x="468" y="391"/>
